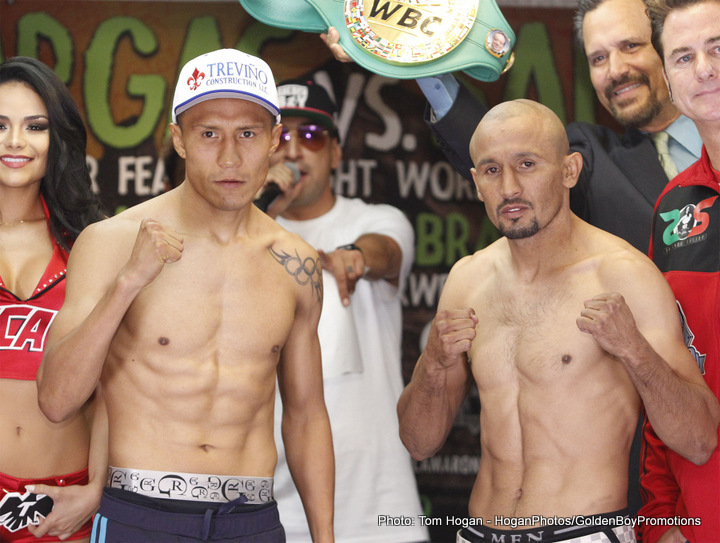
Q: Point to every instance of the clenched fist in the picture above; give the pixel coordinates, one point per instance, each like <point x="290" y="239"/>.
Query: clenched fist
<point x="451" y="335"/>
<point x="155" y="246"/>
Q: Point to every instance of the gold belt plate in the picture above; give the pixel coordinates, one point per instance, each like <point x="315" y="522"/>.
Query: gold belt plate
<point x="410" y="31"/>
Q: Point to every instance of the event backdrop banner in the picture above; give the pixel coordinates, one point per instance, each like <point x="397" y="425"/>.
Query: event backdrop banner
<point x="121" y="58"/>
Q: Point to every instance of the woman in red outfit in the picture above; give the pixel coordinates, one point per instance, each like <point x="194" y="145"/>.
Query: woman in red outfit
<point x="46" y="199"/>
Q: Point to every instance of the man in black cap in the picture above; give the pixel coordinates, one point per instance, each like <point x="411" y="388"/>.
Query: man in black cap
<point x="366" y="252"/>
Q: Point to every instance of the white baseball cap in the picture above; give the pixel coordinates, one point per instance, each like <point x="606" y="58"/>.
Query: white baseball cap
<point x="225" y="73"/>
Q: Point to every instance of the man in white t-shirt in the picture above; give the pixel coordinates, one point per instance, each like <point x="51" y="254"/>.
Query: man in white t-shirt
<point x="366" y="252"/>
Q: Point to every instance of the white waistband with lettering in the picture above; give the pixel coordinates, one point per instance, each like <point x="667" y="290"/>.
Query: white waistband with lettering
<point x="199" y="487"/>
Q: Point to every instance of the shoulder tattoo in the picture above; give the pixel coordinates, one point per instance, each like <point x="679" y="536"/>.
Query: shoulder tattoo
<point x="305" y="271"/>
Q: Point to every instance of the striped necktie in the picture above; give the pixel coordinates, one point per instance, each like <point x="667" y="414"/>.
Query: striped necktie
<point x="660" y="139"/>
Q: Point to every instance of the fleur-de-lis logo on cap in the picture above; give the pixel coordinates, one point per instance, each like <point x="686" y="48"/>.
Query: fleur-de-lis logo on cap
<point x="195" y="79"/>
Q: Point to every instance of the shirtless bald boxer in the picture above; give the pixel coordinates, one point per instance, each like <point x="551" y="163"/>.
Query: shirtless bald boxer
<point x="560" y="325"/>
<point x="185" y="308"/>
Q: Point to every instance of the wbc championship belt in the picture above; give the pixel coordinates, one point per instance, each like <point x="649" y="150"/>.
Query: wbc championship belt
<point x="404" y="39"/>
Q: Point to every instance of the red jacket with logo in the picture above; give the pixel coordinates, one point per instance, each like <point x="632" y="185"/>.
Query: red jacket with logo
<point x="685" y="245"/>
<point x="24" y="324"/>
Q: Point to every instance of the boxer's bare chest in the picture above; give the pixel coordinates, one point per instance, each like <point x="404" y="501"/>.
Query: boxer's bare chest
<point x="529" y="332"/>
<point x="231" y="297"/>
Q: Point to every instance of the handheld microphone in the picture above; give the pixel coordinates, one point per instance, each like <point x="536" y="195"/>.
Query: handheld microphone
<point x="272" y="191"/>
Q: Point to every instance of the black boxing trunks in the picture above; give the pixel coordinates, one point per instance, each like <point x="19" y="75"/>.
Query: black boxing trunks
<point x="128" y="516"/>
<point x="151" y="506"/>
<point x="614" y="527"/>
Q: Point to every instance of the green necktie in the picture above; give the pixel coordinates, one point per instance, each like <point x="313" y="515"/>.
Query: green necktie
<point x="660" y="139"/>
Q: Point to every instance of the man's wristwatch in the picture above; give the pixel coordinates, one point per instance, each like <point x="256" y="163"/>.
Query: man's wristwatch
<point x="353" y="247"/>
<point x="350" y="247"/>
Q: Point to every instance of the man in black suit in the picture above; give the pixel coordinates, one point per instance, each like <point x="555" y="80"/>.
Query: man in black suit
<point x="622" y="176"/>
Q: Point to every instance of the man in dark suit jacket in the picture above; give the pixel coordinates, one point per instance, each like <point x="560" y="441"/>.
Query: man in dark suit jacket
<point x="622" y="175"/>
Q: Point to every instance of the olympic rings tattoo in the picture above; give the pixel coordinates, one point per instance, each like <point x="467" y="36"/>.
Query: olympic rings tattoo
<point x="303" y="270"/>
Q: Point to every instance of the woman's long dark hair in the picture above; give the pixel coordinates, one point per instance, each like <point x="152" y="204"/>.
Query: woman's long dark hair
<point x="66" y="187"/>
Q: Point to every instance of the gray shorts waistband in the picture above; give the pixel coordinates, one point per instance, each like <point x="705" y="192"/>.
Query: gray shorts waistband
<point x="200" y="487"/>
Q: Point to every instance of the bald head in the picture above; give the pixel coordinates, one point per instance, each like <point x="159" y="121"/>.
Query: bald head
<point x="522" y="158"/>
<point x="518" y="118"/>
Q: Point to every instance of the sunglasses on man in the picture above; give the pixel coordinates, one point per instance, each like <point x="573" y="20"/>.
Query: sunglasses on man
<point x="310" y="136"/>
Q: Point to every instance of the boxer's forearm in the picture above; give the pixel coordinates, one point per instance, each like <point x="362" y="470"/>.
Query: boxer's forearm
<point x="428" y="406"/>
<point x="72" y="365"/>
<point x="684" y="413"/>
<point x="310" y="458"/>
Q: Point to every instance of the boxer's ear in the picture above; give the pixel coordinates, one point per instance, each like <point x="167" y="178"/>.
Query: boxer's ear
<point x="572" y="166"/>
<point x="176" y="132"/>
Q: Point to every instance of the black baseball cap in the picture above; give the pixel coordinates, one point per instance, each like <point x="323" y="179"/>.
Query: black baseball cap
<point x="305" y="98"/>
